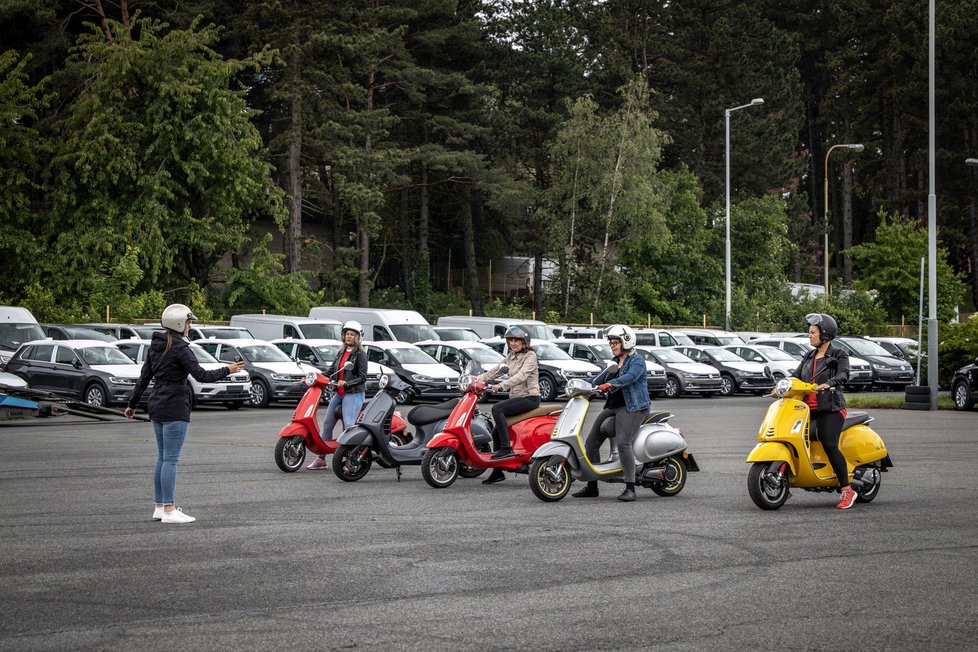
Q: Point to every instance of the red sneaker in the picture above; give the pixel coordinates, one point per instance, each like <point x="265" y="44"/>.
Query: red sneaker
<point x="848" y="498"/>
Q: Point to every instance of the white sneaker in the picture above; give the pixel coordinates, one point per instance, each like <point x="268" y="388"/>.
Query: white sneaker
<point x="158" y="513"/>
<point x="177" y="516"/>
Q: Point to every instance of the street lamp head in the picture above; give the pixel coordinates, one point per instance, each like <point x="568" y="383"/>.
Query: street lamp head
<point x="971" y="161"/>
<point x="757" y="100"/>
<point x="856" y="147"/>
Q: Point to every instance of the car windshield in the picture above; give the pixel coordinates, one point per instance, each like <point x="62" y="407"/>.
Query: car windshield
<point x="95" y="355"/>
<point x="865" y="347"/>
<point x="603" y="351"/>
<point x="772" y="353"/>
<point x="202" y="355"/>
<point x="550" y="352"/>
<point x="226" y="333"/>
<point x="724" y="355"/>
<point x="146" y="332"/>
<point x="414" y="333"/>
<point x="669" y="355"/>
<point x="412" y="355"/>
<point x="458" y="334"/>
<point x="480" y="354"/>
<point x="328" y="351"/>
<point x="13" y="335"/>
<point x="728" y="340"/>
<point x="537" y="331"/>
<point x="683" y="339"/>
<point x="314" y="331"/>
<point x="263" y="353"/>
<point x="79" y="333"/>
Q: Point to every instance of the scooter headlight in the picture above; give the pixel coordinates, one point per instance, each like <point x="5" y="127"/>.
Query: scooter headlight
<point x="464" y="382"/>
<point x="383" y="380"/>
<point x="310" y="379"/>
<point x="782" y="387"/>
<point x="577" y="386"/>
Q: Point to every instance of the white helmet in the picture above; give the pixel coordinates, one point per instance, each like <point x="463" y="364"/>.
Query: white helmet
<point x="175" y="317"/>
<point x="623" y="333"/>
<point x="354" y="326"/>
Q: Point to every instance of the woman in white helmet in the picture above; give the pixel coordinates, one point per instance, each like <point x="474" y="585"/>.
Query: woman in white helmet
<point x="629" y="402"/>
<point x="169" y="361"/>
<point x="350" y="385"/>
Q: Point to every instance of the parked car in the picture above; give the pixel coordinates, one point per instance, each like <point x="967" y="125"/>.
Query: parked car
<point x="964" y="386"/>
<point x="497" y="326"/>
<point x="380" y="324"/>
<point x="736" y="374"/>
<point x="860" y="371"/>
<point x="207" y="332"/>
<point x="661" y="337"/>
<point x="275" y="327"/>
<point x="683" y="375"/>
<point x="231" y="391"/>
<point x="598" y="352"/>
<point x="124" y="331"/>
<point x="429" y="378"/>
<point x="581" y="333"/>
<point x="457" y="354"/>
<point x="782" y="364"/>
<point x="555" y="366"/>
<point x="899" y="347"/>
<point x="320" y="354"/>
<point x="457" y="333"/>
<point x="72" y="332"/>
<point x="90" y="370"/>
<point x="274" y="375"/>
<point x="10" y="380"/>
<point x="712" y="337"/>
<point x="17" y="325"/>
<point x="888" y="372"/>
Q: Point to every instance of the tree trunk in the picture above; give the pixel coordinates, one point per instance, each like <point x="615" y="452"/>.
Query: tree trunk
<point x="407" y="246"/>
<point x="293" y="236"/>
<point x="363" y="216"/>
<point x="847" y="223"/>
<point x="471" y="268"/>
<point x="973" y="222"/>
<point x="538" y="284"/>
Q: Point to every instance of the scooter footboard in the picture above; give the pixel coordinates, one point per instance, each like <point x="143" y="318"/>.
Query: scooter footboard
<point x="355" y="436"/>
<point x="772" y="452"/>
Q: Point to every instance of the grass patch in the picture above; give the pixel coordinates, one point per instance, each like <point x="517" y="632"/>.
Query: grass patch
<point x="892" y="402"/>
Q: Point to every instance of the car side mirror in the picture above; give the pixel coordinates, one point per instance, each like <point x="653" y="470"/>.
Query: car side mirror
<point x="76" y="363"/>
<point x="768" y="373"/>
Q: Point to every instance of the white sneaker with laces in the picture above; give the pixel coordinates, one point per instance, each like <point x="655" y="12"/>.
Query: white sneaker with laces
<point x="177" y="516"/>
<point x="158" y="513"/>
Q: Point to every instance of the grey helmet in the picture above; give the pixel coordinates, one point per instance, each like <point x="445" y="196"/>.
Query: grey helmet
<point x="518" y="333"/>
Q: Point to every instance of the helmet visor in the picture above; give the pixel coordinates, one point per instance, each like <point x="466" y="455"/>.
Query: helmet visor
<point x="814" y="319"/>
<point x="191" y="317"/>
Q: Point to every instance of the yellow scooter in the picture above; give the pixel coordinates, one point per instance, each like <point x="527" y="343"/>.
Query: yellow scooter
<point x="788" y="455"/>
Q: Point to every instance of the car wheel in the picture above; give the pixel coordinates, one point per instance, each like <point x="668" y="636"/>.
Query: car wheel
<point x="962" y="396"/>
<point x="96" y="394"/>
<point x="259" y="394"/>
<point x="729" y="385"/>
<point x="548" y="388"/>
<point x="673" y="388"/>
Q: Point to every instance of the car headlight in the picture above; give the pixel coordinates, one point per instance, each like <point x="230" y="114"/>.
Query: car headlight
<point x="308" y="380"/>
<point x="686" y="374"/>
<point x="421" y="378"/>
<point x="881" y="367"/>
<point x="285" y="376"/>
<point x="119" y="380"/>
<point x="4" y="359"/>
<point x="740" y="374"/>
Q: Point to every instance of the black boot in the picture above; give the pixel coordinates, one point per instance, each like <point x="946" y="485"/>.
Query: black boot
<point x="497" y="475"/>
<point x="502" y="453"/>
<point x="589" y="491"/>
<point x="628" y="495"/>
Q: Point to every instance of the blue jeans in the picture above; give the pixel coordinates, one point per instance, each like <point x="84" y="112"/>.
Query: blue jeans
<point x="351" y="405"/>
<point x="169" y="442"/>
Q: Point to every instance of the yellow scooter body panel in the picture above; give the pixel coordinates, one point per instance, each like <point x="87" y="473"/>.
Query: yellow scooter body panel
<point x="772" y="452"/>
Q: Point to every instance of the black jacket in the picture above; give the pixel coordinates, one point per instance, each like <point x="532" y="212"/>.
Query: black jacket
<point x="356" y="378"/>
<point x="833" y="370"/>
<point x="172" y="394"/>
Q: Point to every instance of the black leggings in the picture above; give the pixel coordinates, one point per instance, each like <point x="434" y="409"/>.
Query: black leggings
<point x="829" y="429"/>
<point x="507" y="408"/>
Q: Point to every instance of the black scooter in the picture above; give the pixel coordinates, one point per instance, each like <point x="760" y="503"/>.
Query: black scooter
<point x="369" y="439"/>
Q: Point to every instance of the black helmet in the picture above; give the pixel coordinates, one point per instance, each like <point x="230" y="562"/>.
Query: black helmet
<point x="827" y="328"/>
<point x="519" y="333"/>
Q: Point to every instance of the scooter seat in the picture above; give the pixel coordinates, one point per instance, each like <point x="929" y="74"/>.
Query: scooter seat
<point x="657" y="417"/>
<point x="856" y="418"/>
<point x="425" y="414"/>
<point x="542" y="411"/>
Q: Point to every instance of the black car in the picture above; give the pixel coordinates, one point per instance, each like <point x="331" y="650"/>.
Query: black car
<point x="964" y="386"/>
<point x="274" y="375"/>
<point x="124" y="331"/>
<point x="75" y="332"/>
<point x="888" y="372"/>
<point x="90" y="370"/>
<point x="737" y="374"/>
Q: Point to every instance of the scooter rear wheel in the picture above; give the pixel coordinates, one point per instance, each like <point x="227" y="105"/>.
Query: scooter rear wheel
<point x="549" y="479"/>
<point x="440" y="467"/>
<point x="762" y="492"/>
<point x="867" y="494"/>
<point x="675" y="471"/>
<point x="290" y="453"/>
<point x="350" y="463"/>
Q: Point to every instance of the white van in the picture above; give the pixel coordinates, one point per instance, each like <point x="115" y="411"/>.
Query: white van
<point x="276" y="327"/>
<point x="488" y="327"/>
<point x="17" y="325"/>
<point x="381" y="324"/>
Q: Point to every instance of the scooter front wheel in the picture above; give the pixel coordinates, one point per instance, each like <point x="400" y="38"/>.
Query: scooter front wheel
<point x="350" y="463"/>
<point x="768" y="490"/>
<point x="290" y="453"/>
<point x="440" y="467"/>
<point x="549" y="479"/>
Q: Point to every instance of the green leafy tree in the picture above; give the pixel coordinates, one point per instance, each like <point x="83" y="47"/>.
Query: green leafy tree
<point x="890" y="266"/>
<point x="263" y="283"/>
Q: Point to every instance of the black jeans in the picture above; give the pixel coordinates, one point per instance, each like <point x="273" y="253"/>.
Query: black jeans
<point x="828" y="426"/>
<point x="507" y="408"/>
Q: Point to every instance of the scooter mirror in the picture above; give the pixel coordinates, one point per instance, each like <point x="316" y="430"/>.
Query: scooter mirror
<point x="347" y="365"/>
<point x="613" y="366"/>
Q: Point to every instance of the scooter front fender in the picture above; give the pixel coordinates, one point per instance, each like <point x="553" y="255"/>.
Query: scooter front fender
<point x="558" y="449"/>
<point x="355" y="436"/>
<point x="443" y="439"/>
<point x="294" y="429"/>
<point x="770" y="451"/>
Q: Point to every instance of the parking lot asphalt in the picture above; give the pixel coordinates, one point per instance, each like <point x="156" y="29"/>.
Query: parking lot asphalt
<point x="306" y="561"/>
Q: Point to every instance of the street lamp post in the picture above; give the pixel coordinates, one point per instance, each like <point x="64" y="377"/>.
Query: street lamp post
<point x="726" y="114"/>
<point x="854" y="147"/>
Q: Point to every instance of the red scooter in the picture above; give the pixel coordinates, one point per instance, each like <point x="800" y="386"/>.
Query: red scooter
<point x="453" y="448"/>
<point x="302" y="433"/>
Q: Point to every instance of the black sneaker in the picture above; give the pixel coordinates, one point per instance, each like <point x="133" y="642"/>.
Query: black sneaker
<point x="627" y="496"/>
<point x="502" y="453"/>
<point x="586" y="492"/>
<point x="497" y="475"/>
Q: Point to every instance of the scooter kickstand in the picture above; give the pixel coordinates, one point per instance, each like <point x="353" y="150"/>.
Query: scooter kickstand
<point x="397" y="469"/>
